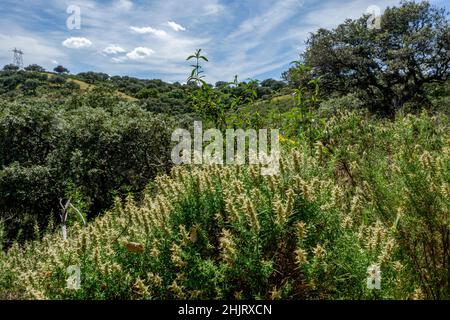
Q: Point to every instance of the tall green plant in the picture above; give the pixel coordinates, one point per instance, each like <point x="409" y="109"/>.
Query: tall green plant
<point x="301" y="119"/>
<point x="213" y="104"/>
<point x="197" y="68"/>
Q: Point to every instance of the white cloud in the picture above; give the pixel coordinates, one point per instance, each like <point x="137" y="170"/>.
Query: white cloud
<point x="113" y="49"/>
<point x="142" y="30"/>
<point x="77" y="43"/>
<point x="175" y="26"/>
<point x="139" y="53"/>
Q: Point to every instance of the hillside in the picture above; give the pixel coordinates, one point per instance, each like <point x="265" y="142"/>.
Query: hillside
<point x="360" y="198"/>
<point x="87" y="87"/>
<point x="332" y="183"/>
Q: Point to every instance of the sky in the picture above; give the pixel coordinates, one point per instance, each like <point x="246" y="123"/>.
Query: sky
<point x="151" y="39"/>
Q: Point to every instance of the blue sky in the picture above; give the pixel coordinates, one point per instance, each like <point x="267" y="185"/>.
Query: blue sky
<point x="151" y="39"/>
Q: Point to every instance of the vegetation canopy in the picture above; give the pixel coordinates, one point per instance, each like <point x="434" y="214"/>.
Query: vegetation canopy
<point x="92" y="205"/>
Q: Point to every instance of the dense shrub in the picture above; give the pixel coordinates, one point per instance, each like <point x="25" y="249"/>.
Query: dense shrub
<point x="370" y="193"/>
<point x="333" y="106"/>
<point x="355" y="192"/>
<point x="27" y="198"/>
<point x="115" y="149"/>
<point x="93" y="77"/>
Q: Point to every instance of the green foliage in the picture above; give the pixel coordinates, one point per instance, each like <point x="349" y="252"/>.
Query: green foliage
<point x="439" y="96"/>
<point x="301" y="118"/>
<point x="94" y="141"/>
<point x="274" y="85"/>
<point x="60" y="69"/>
<point x="387" y="67"/>
<point x="372" y="193"/>
<point x="354" y="190"/>
<point x="34" y="68"/>
<point x="93" y="77"/>
<point x="333" y="106"/>
<point x="26" y="133"/>
<point x="2" y="236"/>
<point x="146" y="93"/>
<point x="214" y="104"/>
<point x="102" y="97"/>
<point x="204" y="99"/>
<point x="58" y="80"/>
<point x="27" y="197"/>
<point x="18" y="84"/>
<point x="30" y="85"/>
<point x="10" y="67"/>
<point x="78" y="201"/>
<point x="196" y="74"/>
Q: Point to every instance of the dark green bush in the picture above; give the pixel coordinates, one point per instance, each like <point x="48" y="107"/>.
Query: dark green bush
<point x="103" y="151"/>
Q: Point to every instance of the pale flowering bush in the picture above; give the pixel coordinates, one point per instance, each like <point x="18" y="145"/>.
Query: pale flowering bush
<point x="368" y="194"/>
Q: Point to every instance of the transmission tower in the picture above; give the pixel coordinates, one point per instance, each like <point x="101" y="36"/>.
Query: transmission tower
<point x="18" y="59"/>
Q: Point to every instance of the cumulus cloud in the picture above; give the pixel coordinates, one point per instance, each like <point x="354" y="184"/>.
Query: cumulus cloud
<point x="175" y="26"/>
<point x="113" y="49"/>
<point x="77" y="43"/>
<point x="143" y="30"/>
<point x="139" y="53"/>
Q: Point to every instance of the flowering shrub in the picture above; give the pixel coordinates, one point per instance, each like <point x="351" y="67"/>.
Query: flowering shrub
<point x="372" y="195"/>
